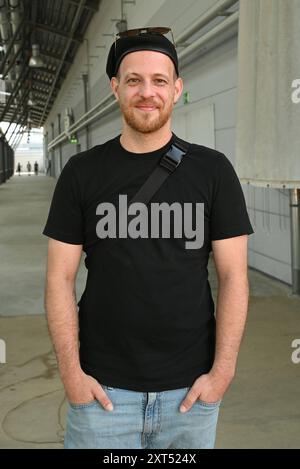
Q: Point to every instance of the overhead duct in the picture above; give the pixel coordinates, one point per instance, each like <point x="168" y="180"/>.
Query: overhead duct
<point x="220" y="32"/>
<point x="216" y="10"/>
<point x="10" y="19"/>
<point x="16" y="20"/>
<point x="4" y="27"/>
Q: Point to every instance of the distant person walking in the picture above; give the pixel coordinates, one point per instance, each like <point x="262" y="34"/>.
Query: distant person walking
<point x="36" y="168"/>
<point x="29" y="168"/>
<point x="19" y="169"/>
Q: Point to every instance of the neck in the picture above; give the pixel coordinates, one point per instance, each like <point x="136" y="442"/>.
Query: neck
<point x="138" y="142"/>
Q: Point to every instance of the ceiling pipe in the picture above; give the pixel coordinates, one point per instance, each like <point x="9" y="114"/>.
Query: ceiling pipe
<point x="210" y="35"/>
<point x="213" y="12"/>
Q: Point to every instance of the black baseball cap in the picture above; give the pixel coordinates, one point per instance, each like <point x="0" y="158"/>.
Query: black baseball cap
<point x="146" y="41"/>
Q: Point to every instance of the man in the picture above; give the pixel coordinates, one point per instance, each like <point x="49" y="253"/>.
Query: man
<point x="152" y="368"/>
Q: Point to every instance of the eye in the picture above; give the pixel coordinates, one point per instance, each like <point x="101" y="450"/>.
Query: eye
<point x="161" y="81"/>
<point x="132" y="80"/>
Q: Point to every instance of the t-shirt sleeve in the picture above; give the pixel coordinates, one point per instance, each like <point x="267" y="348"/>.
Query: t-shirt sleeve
<point x="65" y="218"/>
<point x="229" y="216"/>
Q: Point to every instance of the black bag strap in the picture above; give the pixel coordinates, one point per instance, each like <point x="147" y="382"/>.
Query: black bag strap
<point x="166" y="166"/>
<point x="168" y="163"/>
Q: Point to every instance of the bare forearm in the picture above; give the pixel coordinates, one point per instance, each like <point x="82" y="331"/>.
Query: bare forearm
<point x="231" y="314"/>
<point x="62" y="316"/>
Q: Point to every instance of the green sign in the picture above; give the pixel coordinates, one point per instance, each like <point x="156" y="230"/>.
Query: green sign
<point x="186" y="97"/>
<point x="73" y="139"/>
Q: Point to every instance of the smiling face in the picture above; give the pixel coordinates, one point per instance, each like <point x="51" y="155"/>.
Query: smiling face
<point x="146" y="88"/>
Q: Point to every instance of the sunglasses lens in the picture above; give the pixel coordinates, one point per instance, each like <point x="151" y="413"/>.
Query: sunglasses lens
<point x="129" y="32"/>
<point x="160" y="30"/>
<point x="136" y="32"/>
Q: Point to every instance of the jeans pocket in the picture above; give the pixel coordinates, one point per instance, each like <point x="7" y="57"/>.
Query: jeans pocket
<point x="83" y="405"/>
<point x="208" y="405"/>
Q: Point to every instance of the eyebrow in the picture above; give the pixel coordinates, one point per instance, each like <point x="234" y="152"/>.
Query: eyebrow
<point x="154" y="74"/>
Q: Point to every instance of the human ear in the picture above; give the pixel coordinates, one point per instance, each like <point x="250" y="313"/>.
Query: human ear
<point x="114" y="84"/>
<point x="178" y="89"/>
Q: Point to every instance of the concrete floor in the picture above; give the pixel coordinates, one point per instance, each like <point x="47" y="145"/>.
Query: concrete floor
<point x="261" y="409"/>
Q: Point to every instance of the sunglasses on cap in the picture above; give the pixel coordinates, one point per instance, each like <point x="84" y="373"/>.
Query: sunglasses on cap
<point x="140" y="31"/>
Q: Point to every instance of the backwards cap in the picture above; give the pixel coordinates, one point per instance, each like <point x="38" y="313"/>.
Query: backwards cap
<point x="145" y="41"/>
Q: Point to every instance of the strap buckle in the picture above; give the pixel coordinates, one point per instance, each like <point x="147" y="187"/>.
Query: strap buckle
<point x="172" y="158"/>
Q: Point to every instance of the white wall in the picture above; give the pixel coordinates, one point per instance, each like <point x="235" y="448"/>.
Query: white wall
<point x="211" y="80"/>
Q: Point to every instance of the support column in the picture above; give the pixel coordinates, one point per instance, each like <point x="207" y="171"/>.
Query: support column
<point x="295" y="239"/>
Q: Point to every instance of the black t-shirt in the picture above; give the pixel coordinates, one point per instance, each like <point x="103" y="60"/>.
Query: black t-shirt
<point x="146" y="317"/>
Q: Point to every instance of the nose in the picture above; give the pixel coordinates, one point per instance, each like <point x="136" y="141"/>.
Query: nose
<point x="146" y="90"/>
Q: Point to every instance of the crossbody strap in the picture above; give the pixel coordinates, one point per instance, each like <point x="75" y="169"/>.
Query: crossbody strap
<point x="166" y="166"/>
<point x="168" y="163"/>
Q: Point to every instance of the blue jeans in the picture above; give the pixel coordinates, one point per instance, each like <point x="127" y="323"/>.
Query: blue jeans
<point x="142" y="420"/>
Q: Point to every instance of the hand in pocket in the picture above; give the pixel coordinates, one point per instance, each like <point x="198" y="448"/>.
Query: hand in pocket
<point x="84" y="389"/>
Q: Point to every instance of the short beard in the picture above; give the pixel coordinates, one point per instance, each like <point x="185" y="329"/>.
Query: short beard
<point x="145" y="124"/>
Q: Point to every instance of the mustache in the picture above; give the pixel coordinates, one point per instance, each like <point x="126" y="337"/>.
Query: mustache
<point x="146" y="103"/>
